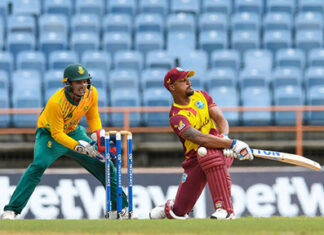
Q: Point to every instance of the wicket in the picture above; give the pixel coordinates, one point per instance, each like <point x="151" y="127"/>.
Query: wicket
<point x="119" y="135"/>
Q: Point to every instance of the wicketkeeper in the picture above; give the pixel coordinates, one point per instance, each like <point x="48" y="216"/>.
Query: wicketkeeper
<point x="193" y="117"/>
<point x="58" y="134"/>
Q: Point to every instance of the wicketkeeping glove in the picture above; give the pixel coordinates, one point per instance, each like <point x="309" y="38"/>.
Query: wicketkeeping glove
<point x="112" y="146"/>
<point x="99" y="137"/>
<point x="242" y="149"/>
<point x="89" y="149"/>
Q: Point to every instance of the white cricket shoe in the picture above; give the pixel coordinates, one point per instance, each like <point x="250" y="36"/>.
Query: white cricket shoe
<point x="157" y="213"/>
<point x="8" y="215"/>
<point x="222" y="214"/>
<point x="124" y="214"/>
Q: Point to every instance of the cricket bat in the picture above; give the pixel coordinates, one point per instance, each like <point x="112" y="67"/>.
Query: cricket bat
<point x="279" y="156"/>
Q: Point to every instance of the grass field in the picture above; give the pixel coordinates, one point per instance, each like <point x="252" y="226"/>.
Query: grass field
<point x="274" y="225"/>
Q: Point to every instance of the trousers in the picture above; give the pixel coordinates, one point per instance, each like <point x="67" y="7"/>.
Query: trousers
<point x="46" y="151"/>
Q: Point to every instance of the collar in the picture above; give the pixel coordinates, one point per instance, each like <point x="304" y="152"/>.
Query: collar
<point x="182" y="106"/>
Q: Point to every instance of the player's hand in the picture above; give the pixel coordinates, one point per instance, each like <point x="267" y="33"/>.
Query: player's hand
<point x="242" y="149"/>
<point x="99" y="137"/>
<point x="88" y="148"/>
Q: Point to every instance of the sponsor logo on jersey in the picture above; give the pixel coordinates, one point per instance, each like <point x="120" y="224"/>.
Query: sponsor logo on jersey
<point x="184" y="177"/>
<point x="69" y="115"/>
<point x="200" y="104"/>
<point x="85" y="109"/>
<point x="180" y="126"/>
<point x="69" y="126"/>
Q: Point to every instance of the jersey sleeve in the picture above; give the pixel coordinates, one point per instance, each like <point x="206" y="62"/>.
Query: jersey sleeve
<point x="209" y="99"/>
<point x="56" y="124"/>
<point x="179" y="123"/>
<point x="92" y="114"/>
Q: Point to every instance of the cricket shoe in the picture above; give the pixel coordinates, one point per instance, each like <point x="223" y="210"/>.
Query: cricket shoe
<point x="8" y="215"/>
<point x="222" y="214"/>
<point x="157" y="212"/>
<point x="124" y="214"/>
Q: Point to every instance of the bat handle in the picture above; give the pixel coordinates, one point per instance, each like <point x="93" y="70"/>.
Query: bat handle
<point x="229" y="153"/>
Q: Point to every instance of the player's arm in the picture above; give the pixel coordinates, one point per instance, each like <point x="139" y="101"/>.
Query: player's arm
<point x="205" y="140"/>
<point x="217" y="115"/>
<point x="55" y="121"/>
<point x="182" y="127"/>
<point x="94" y="122"/>
<point x="211" y="141"/>
<point x="92" y="114"/>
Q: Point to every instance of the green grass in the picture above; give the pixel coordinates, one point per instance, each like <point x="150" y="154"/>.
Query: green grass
<point x="274" y="225"/>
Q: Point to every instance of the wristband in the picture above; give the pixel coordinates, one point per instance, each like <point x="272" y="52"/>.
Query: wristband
<point x="233" y="143"/>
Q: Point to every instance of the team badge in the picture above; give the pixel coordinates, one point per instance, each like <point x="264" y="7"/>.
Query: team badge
<point x="85" y="109"/>
<point x="49" y="144"/>
<point x="184" y="177"/>
<point x="80" y="70"/>
<point x="200" y="104"/>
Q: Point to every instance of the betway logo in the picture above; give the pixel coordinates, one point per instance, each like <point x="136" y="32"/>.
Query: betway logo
<point x="263" y="200"/>
<point x="75" y="199"/>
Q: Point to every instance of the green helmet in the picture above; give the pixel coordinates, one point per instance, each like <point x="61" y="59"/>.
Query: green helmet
<point x="75" y="72"/>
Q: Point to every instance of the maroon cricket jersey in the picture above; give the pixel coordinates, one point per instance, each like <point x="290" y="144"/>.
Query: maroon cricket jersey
<point x="196" y="115"/>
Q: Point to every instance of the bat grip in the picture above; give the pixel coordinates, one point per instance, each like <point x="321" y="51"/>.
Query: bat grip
<point x="229" y="153"/>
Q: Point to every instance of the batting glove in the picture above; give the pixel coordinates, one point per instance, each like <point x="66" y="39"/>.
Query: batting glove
<point x="84" y="147"/>
<point x="242" y="149"/>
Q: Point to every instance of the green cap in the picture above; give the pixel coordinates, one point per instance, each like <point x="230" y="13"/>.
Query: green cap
<point x="75" y="72"/>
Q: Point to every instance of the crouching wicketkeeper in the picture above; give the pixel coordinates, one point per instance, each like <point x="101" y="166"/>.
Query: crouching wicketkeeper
<point x="58" y="133"/>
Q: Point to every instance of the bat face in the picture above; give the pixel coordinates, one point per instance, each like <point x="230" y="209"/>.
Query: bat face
<point x="266" y="152"/>
<point x="279" y="156"/>
<point x="288" y="158"/>
<point x="271" y="154"/>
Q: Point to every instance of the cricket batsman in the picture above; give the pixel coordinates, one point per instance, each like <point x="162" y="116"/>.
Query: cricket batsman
<point x="58" y="133"/>
<point x="198" y="121"/>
